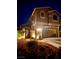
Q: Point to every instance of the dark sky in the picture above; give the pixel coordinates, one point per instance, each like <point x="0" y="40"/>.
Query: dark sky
<point x="25" y="8"/>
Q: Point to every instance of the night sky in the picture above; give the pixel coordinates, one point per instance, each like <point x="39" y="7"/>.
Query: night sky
<point x="25" y="8"/>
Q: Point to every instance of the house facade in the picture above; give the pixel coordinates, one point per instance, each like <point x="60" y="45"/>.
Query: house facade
<point x="45" y="22"/>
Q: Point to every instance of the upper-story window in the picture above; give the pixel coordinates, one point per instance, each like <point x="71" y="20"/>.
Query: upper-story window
<point x="55" y="17"/>
<point x="42" y="14"/>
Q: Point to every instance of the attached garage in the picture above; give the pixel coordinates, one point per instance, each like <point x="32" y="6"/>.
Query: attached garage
<point x="49" y="32"/>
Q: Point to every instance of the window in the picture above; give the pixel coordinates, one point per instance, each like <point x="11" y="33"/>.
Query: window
<point x="42" y="14"/>
<point x="54" y="17"/>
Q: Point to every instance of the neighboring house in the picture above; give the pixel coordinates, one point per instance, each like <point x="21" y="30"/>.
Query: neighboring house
<point x="46" y="19"/>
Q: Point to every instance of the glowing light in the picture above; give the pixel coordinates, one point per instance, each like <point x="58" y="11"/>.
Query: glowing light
<point x="39" y="33"/>
<point x="21" y="36"/>
<point x="33" y="34"/>
<point x="37" y="37"/>
<point x="39" y="29"/>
